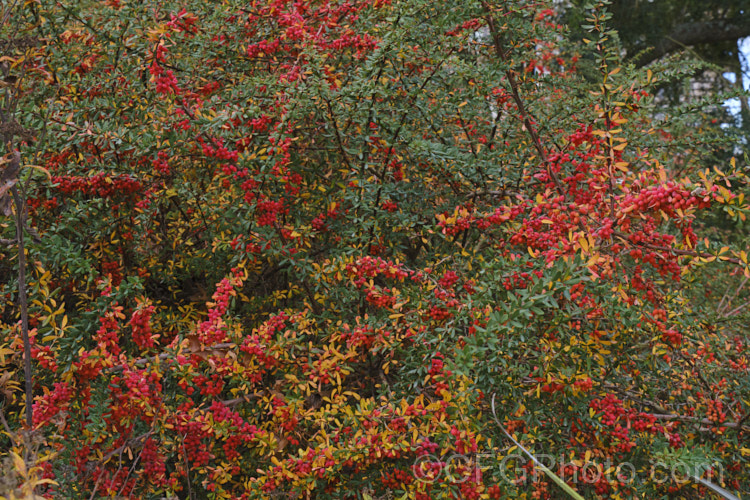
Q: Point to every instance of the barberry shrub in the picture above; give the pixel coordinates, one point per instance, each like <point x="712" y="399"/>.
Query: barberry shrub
<point x="345" y="249"/>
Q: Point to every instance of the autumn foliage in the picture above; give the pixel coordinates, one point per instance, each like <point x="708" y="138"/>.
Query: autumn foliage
<point x="302" y="248"/>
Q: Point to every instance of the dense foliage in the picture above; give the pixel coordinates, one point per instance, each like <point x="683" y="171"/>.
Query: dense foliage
<point x="348" y="249"/>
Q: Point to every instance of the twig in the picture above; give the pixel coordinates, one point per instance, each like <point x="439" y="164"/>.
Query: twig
<point x="246" y="398"/>
<point x="704" y="421"/>
<point x="130" y="442"/>
<point x="677" y="251"/>
<point x="130" y="472"/>
<point x="736" y="310"/>
<point x="5" y="422"/>
<point x="22" y="302"/>
<point x="187" y="469"/>
<point x="720" y="308"/>
<point x="560" y="482"/>
<point x="634" y="397"/>
<point x="166" y="355"/>
<point x="525" y="116"/>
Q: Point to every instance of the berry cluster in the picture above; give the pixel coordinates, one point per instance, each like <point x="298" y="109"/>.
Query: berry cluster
<point x="152" y="460"/>
<point x="140" y="323"/>
<point x="100" y="185"/>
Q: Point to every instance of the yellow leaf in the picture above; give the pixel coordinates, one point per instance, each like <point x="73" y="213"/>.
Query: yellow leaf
<point x="44" y="170"/>
<point x="19" y="464"/>
<point x="584" y="244"/>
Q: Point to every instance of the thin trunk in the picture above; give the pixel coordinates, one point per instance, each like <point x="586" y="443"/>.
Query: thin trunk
<point x="23" y="304"/>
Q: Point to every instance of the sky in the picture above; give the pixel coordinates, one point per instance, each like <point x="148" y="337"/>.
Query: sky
<point x="734" y="104"/>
